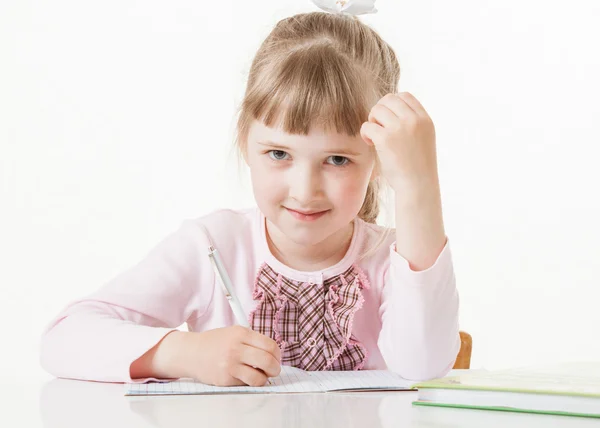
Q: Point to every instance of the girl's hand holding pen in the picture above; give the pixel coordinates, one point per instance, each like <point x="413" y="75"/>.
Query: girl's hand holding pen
<point x="229" y="356"/>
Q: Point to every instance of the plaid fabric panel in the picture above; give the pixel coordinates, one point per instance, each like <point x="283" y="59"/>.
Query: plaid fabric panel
<point x="312" y="323"/>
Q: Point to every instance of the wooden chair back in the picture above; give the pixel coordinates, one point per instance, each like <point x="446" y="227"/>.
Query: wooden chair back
<point x="463" y="360"/>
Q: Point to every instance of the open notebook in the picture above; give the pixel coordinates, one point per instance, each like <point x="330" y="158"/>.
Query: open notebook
<point x="290" y="380"/>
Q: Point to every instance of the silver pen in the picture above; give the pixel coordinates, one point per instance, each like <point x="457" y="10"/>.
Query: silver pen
<point x="227" y="287"/>
<point x="223" y="277"/>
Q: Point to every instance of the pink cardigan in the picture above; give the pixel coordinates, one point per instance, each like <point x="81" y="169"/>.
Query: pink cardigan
<point x="408" y="322"/>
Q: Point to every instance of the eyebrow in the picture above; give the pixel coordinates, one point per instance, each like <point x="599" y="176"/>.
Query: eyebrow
<point x="285" y="148"/>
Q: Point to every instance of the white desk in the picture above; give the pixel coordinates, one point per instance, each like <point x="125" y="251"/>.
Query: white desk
<point x="62" y="403"/>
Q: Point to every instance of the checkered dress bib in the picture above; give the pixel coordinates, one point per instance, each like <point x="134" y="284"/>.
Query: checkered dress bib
<point x="311" y="323"/>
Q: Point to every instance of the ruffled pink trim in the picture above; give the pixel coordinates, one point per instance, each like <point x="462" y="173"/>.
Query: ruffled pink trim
<point x="257" y="294"/>
<point x="366" y="285"/>
<point x="334" y="299"/>
<point x="284" y="301"/>
<point x="364" y="349"/>
<point x="364" y="282"/>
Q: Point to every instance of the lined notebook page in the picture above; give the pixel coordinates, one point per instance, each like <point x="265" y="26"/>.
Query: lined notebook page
<point x="290" y="380"/>
<point x="360" y="380"/>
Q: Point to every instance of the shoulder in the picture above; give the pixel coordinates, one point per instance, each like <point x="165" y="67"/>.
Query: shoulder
<point x="228" y="228"/>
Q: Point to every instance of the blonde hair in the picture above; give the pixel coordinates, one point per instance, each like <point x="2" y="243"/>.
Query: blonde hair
<point x="319" y="69"/>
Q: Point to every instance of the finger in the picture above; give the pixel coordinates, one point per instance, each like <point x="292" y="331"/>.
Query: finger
<point x="258" y="340"/>
<point x="383" y="116"/>
<point x="249" y="376"/>
<point x="371" y="133"/>
<point x="260" y="359"/>
<point x="398" y="105"/>
<point x="232" y="381"/>
<point x="414" y="103"/>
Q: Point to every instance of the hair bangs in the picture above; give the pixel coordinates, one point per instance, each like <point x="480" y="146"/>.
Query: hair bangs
<point x="313" y="87"/>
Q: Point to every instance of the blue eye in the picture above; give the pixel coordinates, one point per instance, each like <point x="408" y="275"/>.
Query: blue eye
<point x="277" y="155"/>
<point x="337" y="160"/>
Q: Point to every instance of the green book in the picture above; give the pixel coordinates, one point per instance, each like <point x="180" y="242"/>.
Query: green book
<point x="571" y="389"/>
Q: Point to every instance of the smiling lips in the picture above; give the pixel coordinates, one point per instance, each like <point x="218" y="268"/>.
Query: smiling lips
<point x="306" y="215"/>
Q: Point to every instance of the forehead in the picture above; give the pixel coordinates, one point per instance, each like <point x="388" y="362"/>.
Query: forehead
<point x="318" y="139"/>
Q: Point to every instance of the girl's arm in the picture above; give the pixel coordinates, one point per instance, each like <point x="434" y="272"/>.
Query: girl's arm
<point x="419" y="311"/>
<point x="419" y="337"/>
<point x="100" y="336"/>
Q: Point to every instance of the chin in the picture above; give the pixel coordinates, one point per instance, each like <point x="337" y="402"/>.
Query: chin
<point x="308" y="235"/>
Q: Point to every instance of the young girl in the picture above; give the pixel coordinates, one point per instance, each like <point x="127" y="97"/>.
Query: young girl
<point x="323" y="287"/>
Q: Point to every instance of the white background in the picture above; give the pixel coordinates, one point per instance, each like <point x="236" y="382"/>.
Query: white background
<point x="117" y="121"/>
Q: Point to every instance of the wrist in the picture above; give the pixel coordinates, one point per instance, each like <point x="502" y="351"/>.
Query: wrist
<point x="167" y="361"/>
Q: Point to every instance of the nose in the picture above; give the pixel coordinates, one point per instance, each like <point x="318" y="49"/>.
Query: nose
<point x="305" y="184"/>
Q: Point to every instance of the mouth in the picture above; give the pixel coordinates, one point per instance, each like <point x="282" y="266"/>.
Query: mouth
<point x="306" y="215"/>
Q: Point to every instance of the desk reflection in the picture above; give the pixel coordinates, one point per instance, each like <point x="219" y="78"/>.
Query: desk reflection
<point x="68" y="403"/>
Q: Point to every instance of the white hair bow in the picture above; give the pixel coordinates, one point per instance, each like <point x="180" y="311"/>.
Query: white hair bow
<point x="350" y="7"/>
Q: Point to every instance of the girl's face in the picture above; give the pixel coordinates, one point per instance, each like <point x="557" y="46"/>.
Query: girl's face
<point x="309" y="187"/>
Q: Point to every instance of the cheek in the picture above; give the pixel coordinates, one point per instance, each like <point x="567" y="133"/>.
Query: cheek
<point x="259" y="180"/>
<point x="265" y="186"/>
<point x="349" y="191"/>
